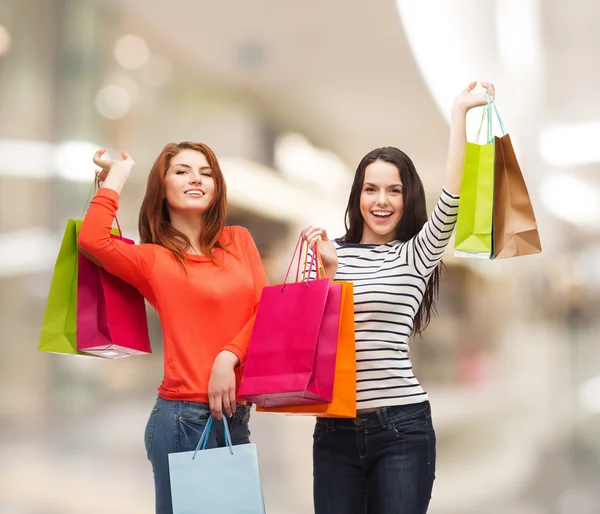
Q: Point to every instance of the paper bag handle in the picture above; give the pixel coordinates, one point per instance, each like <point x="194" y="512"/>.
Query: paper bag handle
<point x="206" y="432"/>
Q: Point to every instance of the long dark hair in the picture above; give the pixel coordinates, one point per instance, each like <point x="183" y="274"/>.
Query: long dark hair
<point x="413" y="218"/>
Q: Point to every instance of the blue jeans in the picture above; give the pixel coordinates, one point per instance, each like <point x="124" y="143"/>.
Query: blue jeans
<point x="381" y="462"/>
<point x="176" y="426"/>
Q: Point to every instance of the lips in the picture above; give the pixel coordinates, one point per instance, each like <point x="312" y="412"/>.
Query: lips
<point x="195" y="193"/>
<point x="381" y="215"/>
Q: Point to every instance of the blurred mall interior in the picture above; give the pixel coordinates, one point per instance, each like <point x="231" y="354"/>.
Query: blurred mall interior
<point x="291" y="95"/>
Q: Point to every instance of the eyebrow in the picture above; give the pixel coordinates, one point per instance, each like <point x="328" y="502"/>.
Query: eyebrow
<point x="374" y="185"/>
<point x="189" y="167"/>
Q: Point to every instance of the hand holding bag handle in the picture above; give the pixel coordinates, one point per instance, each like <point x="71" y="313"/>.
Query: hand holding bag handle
<point x="206" y="432"/>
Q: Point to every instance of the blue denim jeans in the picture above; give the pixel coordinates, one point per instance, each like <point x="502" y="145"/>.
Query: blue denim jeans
<point x="381" y="462"/>
<point x="176" y="426"/>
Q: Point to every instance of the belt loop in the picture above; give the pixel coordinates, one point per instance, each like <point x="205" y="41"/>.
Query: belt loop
<point x="382" y="415"/>
<point x="329" y="424"/>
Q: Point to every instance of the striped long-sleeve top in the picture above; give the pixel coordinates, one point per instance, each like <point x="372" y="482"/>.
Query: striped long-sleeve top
<point x="389" y="286"/>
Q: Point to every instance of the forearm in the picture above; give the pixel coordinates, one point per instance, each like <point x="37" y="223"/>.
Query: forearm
<point x="116" y="180"/>
<point x="456" y="150"/>
<point x="330" y="271"/>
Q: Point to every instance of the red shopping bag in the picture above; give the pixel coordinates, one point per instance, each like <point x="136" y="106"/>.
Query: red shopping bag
<point x="111" y="314"/>
<point x="292" y="352"/>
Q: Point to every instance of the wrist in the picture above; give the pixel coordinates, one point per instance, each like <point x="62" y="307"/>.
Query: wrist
<point x="228" y="357"/>
<point x="330" y="271"/>
<point x="459" y="110"/>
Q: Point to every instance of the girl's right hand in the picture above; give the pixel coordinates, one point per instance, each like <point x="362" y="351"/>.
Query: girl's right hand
<point x="107" y="165"/>
<point x="318" y="235"/>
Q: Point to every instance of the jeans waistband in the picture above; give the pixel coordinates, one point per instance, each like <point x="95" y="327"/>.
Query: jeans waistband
<point x="381" y="417"/>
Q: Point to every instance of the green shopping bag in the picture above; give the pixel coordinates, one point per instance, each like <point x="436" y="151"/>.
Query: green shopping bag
<point x="473" y="236"/>
<point x="59" y="329"/>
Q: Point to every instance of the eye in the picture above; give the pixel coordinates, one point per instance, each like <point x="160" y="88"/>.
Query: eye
<point x="397" y="191"/>
<point x="369" y="189"/>
<point x="207" y="174"/>
<point x="180" y="172"/>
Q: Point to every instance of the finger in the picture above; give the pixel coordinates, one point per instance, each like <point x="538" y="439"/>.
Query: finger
<point x="98" y="157"/>
<point x="232" y="400"/>
<point x="126" y="156"/>
<point x="311" y="241"/>
<point x="227" y="404"/>
<point x="471" y="86"/>
<point x="489" y="87"/>
<point x="324" y="235"/>
<point x="216" y="408"/>
<point x="311" y="230"/>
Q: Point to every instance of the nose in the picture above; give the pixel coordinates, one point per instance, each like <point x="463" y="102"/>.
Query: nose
<point x="195" y="177"/>
<point x="382" y="198"/>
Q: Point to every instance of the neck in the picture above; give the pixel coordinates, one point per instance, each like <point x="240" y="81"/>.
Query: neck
<point x="189" y="225"/>
<point x="369" y="238"/>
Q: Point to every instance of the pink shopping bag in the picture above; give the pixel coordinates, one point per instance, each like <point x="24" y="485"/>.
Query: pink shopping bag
<point x="293" y="348"/>
<point x="111" y="314"/>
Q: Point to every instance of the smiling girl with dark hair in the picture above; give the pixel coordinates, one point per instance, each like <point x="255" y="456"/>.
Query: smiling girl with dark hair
<point x="383" y="461"/>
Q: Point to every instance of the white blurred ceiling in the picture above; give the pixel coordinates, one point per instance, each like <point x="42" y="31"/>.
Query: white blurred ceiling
<point x="343" y="72"/>
<point x="339" y="71"/>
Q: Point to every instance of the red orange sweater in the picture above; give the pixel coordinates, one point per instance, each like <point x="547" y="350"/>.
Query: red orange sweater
<point x="210" y="309"/>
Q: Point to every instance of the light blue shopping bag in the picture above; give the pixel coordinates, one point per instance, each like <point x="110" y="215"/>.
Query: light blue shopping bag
<point x="222" y="480"/>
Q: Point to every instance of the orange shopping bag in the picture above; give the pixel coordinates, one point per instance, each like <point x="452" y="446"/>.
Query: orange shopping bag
<point x="343" y="403"/>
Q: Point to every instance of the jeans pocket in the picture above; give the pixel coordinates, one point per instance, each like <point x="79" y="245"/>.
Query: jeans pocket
<point x="319" y="432"/>
<point x="413" y="426"/>
<point x="241" y="416"/>
<point x="192" y="422"/>
<point x="238" y="425"/>
<point x="149" y="432"/>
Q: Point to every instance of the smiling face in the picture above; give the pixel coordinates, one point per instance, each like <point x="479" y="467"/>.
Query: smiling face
<point x="189" y="183"/>
<point x="381" y="202"/>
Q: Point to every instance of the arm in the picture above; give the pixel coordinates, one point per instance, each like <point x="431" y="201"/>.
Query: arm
<point x="118" y="257"/>
<point x="239" y="345"/>
<point x="427" y="248"/>
<point x="458" y="137"/>
<point x="221" y="386"/>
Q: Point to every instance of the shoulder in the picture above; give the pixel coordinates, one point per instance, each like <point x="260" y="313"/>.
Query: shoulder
<point x="236" y="232"/>
<point x="236" y="236"/>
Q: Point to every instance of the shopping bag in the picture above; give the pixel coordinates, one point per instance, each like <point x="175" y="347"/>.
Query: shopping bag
<point x="515" y="229"/>
<point x="292" y="351"/>
<point x="473" y="236"/>
<point x="111" y="314"/>
<point x="221" y="480"/>
<point x="59" y="328"/>
<point x="343" y="402"/>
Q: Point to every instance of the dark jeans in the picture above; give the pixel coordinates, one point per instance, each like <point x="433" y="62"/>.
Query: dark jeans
<point x="382" y="462"/>
<point x="176" y="426"/>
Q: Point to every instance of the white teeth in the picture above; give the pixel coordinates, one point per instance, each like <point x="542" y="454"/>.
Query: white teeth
<point x="382" y="213"/>
<point x="194" y="193"/>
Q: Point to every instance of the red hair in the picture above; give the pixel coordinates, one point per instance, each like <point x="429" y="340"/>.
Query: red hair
<point x="154" y="223"/>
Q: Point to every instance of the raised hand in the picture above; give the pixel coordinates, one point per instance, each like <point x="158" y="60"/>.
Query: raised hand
<point x="466" y="99"/>
<point x="107" y="165"/>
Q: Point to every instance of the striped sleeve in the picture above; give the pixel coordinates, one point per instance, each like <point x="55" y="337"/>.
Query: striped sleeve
<point x="427" y="247"/>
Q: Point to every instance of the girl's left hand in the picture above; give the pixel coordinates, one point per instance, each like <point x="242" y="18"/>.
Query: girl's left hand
<point x="466" y="100"/>
<point x="221" y="386"/>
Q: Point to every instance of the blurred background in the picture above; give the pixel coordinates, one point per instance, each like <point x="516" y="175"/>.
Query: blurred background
<point x="291" y="95"/>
